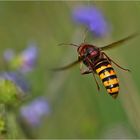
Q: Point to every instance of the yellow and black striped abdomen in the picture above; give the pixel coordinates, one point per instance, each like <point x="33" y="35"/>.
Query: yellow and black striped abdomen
<point x="108" y="76"/>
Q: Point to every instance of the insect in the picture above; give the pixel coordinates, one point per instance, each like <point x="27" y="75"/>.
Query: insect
<point x="98" y="62"/>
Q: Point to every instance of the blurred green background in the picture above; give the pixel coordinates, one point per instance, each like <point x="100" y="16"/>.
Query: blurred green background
<point x="78" y="110"/>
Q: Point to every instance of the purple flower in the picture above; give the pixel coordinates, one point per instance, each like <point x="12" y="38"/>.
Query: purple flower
<point x="18" y="79"/>
<point x="23" y="62"/>
<point x="28" y="58"/>
<point x="34" y="112"/>
<point x="92" y="18"/>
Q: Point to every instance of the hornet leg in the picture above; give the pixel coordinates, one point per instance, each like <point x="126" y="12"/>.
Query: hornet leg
<point x="115" y="62"/>
<point x="84" y="71"/>
<point x="98" y="87"/>
<point x="87" y="72"/>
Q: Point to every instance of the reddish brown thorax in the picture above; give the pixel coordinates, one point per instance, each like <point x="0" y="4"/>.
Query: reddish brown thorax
<point x="87" y="50"/>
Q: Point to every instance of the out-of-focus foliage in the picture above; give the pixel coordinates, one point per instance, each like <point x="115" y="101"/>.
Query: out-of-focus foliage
<point x="78" y="110"/>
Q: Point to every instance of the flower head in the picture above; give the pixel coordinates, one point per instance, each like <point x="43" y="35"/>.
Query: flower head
<point x="28" y="58"/>
<point x="92" y="18"/>
<point x="23" y="62"/>
<point x="33" y="113"/>
<point x="13" y="88"/>
<point x="18" y="79"/>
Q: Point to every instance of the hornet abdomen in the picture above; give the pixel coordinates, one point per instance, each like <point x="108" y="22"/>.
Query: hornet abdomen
<point x="108" y="76"/>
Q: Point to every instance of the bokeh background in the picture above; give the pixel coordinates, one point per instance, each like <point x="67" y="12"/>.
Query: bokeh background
<point x="77" y="109"/>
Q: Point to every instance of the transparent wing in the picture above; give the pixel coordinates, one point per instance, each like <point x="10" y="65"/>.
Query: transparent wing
<point x="117" y="43"/>
<point x="69" y="65"/>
